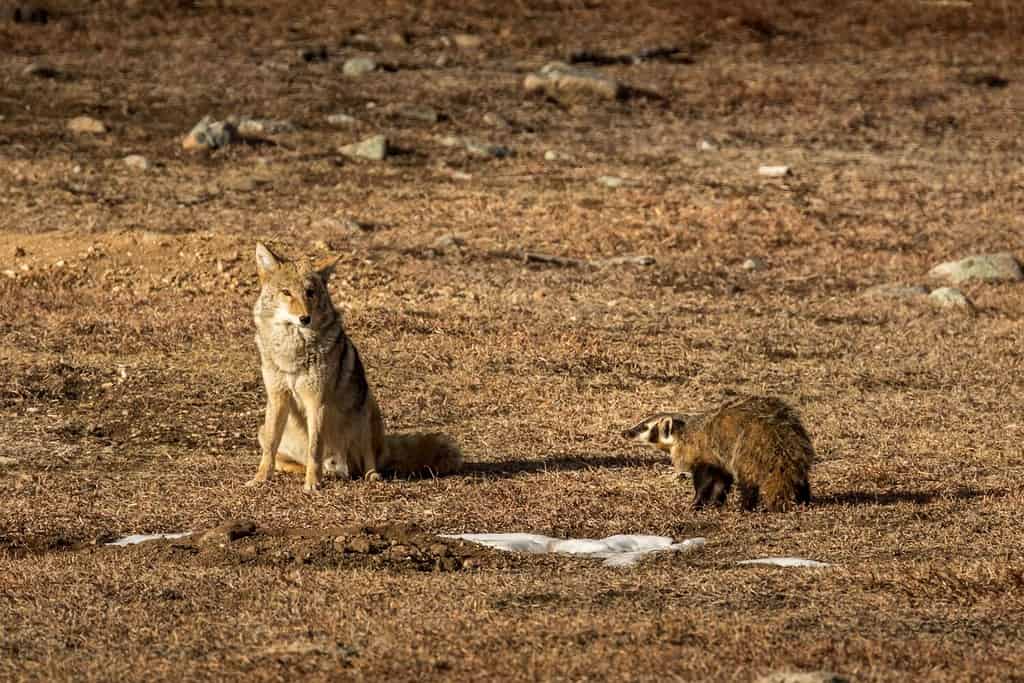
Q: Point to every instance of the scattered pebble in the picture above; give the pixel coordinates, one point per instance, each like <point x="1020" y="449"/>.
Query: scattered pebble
<point x="375" y="148"/>
<point x="209" y="134"/>
<point x="358" y="66"/>
<point x="341" y="120"/>
<point x="138" y="162"/>
<point x="773" y="171"/>
<point x="467" y="41"/>
<point x="753" y="264"/>
<point x="986" y="268"/>
<point x="558" y="79"/>
<point x="896" y="291"/>
<point x="705" y="146"/>
<point x="477" y="148"/>
<point x="611" y="181"/>
<point x="87" y="124"/>
<point x="553" y="155"/>
<point x="419" y="113"/>
<point x="255" y="127"/>
<point x="950" y="297"/>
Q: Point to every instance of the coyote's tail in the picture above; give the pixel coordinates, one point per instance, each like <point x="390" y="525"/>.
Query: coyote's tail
<point x="421" y="454"/>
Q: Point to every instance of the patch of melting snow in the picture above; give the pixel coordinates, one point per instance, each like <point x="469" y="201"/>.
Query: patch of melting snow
<point x="786" y="562"/>
<point x="616" y="551"/>
<point x="135" y="539"/>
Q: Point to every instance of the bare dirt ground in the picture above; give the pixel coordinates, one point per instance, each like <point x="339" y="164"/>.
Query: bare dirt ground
<point x="129" y="384"/>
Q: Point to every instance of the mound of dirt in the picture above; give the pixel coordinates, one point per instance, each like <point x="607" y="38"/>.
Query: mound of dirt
<point x="398" y="547"/>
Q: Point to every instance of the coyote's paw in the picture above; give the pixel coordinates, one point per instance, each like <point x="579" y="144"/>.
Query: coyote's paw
<point x="257" y="480"/>
<point x="311" y="487"/>
<point x="373" y="475"/>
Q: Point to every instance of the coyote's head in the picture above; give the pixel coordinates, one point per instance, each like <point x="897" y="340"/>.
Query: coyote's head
<point x="292" y="293"/>
<point x="659" y="430"/>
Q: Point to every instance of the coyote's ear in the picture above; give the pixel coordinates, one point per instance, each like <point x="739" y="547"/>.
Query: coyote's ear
<point x="326" y="268"/>
<point x="266" y="261"/>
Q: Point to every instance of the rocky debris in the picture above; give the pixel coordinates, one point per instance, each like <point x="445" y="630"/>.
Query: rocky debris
<point x="497" y="120"/>
<point x="773" y="171"/>
<point x="477" y="148"/>
<point x="313" y="54"/>
<point x="41" y="70"/>
<point x="986" y="268"/>
<point x="896" y="291"/>
<point x="418" y="113"/>
<point x="358" y="66"/>
<point x="559" y="80"/>
<point x="554" y="155"/>
<point x="341" y="120"/>
<point x="137" y="162"/>
<point x="950" y="297"/>
<point x="447" y="243"/>
<point x="87" y="124"/>
<point x="752" y="264"/>
<point x="228" y="532"/>
<point x="803" y="677"/>
<point x="467" y="41"/>
<point x="707" y="146"/>
<point x="612" y="181"/>
<point x="257" y="127"/>
<point x="209" y="134"/>
<point x="374" y="148"/>
<point x="30" y="14"/>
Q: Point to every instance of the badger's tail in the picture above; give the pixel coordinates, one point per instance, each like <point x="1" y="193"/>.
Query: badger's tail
<point x="421" y="454"/>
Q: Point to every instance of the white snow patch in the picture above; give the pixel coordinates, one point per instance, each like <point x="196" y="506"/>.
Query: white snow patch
<point x="135" y="539"/>
<point x="786" y="562"/>
<point x="616" y="551"/>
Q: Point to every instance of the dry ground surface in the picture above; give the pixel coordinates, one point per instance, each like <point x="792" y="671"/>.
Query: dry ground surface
<point x="129" y="384"/>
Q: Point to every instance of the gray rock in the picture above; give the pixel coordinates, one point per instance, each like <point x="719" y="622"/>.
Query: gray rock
<point x="553" y="155"/>
<point x="137" y="162"/>
<point x="773" y="171"/>
<point x="949" y="297"/>
<point x="986" y="268"/>
<point x="375" y="148"/>
<point x="560" y="80"/>
<point x="358" y="66"/>
<point x="611" y="181"/>
<point x="87" y="124"/>
<point x="418" y="113"/>
<point x="255" y="127"/>
<point x="705" y="146"/>
<point x="803" y="677"/>
<point x="210" y="134"/>
<point x="896" y="291"/>
<point x="341" y="120"/>
<point x="752" y="264"/>
<point x="483" y="149"/>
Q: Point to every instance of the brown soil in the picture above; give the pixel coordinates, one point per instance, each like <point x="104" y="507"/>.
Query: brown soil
<point x="130" y="392"/>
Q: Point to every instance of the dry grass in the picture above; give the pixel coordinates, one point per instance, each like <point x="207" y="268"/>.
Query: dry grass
<point x="131" y="395"/>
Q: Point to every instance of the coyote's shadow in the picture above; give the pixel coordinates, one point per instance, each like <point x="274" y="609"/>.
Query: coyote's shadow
<point x="559" y="463"/>
<point x="856" y="498"/>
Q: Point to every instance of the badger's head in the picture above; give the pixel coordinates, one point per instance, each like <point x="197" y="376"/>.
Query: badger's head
<point x="659" y="430"/>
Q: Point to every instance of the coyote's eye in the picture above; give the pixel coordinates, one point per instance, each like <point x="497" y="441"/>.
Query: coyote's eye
<point x="310" y="293"/>
<point x="285" y="292"/>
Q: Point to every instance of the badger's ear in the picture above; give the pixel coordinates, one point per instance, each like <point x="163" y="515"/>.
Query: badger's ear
<point x="666" y="427"/>
<point x="266" y="261"/>
<point x="326" y="268"/>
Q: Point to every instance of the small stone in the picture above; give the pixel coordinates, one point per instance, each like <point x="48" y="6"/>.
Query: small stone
<point x="773" y="171"/>
<point x="896" y="291"/>
<point x="210" y="134"/>
<point x="138" y="162"/>
<point x="446" y="243"/>
<point x="418" y="113"/>
<point x="705" y="146"/>
<point x="611" y="181"/>
<point x="467" y="41"/>
<point x="558" y="79"/>
<point x="441" y="61"/>
<point x="322" y="245"/>
<point x="497" y="120"/>
<point x="358" y="66"/>
<point x="752" y="264"/>
<point x="256" y="127"/>
<point x="375" y="148"/>
<point x="802" y="677"/>
<point x="949" y="297"/>
<point x="554" y="155"/>
<point x="39" y="70"/>
<point x="483" y="149"/>
<point x="228" y="532"/>
<point x="8" y="462"/>
<point x="341" y="120"/>
<point x="986" y="268"/>
<point x="87" y="124"/>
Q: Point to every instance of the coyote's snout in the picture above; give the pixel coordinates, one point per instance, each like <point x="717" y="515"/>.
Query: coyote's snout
<point x="321" y="414"/>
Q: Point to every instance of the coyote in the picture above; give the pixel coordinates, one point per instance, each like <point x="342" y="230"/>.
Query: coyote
<point x="759" y="441"/>
<point x="321" y="415"/>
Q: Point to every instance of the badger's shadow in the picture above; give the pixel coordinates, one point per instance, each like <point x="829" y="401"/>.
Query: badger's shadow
<point x="855" y="498"/>
<point x="561" y="463"/>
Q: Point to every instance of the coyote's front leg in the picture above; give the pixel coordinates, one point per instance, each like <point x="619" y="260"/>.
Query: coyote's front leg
<point x="270" y="436"/>
<point x="315" y="455"/>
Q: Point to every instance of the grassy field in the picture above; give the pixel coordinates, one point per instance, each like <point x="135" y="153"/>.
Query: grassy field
<point x="130" y="391"/>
